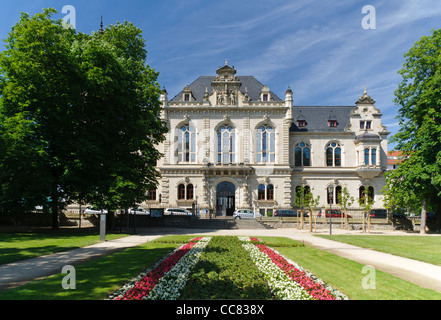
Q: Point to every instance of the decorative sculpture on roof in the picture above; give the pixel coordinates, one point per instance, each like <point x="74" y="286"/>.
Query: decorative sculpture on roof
<point x="365" y="98"/>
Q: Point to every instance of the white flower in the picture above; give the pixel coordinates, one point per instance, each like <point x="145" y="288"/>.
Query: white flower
<point x="176" y="278"/>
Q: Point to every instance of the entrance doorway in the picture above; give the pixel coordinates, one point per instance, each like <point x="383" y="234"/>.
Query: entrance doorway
<point x="225" y="198"/>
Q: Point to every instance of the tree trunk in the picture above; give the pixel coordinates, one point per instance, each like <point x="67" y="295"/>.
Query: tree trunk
<point x="310" y="220"/>
<point x="54" y="207"/>
<point x="423" y="217"/>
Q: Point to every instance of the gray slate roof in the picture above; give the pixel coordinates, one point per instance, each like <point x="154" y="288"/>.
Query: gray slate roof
<point x="317" y="118"/>
<point x="253" y="86"/>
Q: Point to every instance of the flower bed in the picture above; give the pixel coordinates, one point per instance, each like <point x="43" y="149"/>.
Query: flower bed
<point x="314" y="287"/>
<point x="168" y="269"/>
<point x="226" y="270"/>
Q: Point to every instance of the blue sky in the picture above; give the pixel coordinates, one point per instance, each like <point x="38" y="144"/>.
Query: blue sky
<point x="318" y="48"/>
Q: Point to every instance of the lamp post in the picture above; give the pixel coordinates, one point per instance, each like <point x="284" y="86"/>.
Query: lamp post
<point x="330" y="197"/>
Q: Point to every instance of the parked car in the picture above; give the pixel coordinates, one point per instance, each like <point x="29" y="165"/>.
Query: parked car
<point x="94" y="210"/>
<point x="334" y="214"/>
<point x="243" y="214"/>
<point x="289" y="213"/>
<point x="379" y="213"/>
<point x="177" y="211"/>
<point x="139" y="210"/>
<point x="399" y="215"/>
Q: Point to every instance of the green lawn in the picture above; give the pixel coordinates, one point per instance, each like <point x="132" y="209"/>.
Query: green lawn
<point x="25" y="245"/>
<point x="347" y="276"/>
<point x="97" y="278"/>
<point x="422" y="248"/>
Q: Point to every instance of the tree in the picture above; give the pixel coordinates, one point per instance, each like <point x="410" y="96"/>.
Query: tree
<point x="300" y="201"/>
<point x="122" y="108"/>
<point x="85" y="111"/>
<point x="311" y="203"/>
<point x="367" y="203"/>
<point x="345" y="200"/>
<point x="419" y="117"/>
<point x="38" y="86"/>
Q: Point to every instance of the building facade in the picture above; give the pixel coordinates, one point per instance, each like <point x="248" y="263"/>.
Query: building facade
<point x="234" y="144"/>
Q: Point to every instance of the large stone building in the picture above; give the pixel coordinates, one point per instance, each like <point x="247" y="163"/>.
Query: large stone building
<point x="233" y="143"/>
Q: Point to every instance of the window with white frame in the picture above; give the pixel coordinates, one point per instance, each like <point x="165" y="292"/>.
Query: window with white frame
<point x="187" y="144"/>
<point x="265" y="192"/>
<point x="302" y="155"/>
<point x="333" y="154"/>
<point x="265" y="144"/>
<point x="185" y="192"/>
<point x="226" y="144"/>
<point x="370" y="156"/>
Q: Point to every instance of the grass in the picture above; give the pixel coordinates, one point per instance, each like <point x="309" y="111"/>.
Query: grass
<point x="347" y="276"/>
<point x="96" y="279"/>
<point x="24" y="245"/>
<point x="422" y="248"/>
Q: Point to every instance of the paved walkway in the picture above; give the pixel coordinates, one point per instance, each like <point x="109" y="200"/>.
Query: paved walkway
<point x="421" y="273"/>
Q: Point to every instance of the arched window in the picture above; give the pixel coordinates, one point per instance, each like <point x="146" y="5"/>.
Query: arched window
<point x="186" y="144"/>
<point x="270" y="192"/>
<point x="225" y="145"/>
<point x="185" y="192"/>
<point x="302" y="156"/>
<point x="265" y="192"/>
<point x="334" y="194"/>
<point x="265" y="144"/>
<point x="333" y="154"/>
<point x="181" y="192"/>
<point x="337" y="194"/>
<point x="299" y="195"/>
<point x="330" y="195"/>
<point x="261" y="192"/>
<point x="363" y="192"/>
<point x="190" y="192"/>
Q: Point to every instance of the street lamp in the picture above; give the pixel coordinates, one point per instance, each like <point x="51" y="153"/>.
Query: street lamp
<point x="330" y="197"/>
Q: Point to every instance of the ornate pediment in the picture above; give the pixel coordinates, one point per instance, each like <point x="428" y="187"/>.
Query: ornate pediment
<point x="365" y="99"/>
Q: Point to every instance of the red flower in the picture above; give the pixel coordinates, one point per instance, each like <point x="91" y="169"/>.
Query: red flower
<point x="316" y="290"/>
<point x="143" y="287"/>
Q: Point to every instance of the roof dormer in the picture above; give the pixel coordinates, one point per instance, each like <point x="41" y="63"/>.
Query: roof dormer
<point x="265" y="94"/>
<point x="187" y="95"/>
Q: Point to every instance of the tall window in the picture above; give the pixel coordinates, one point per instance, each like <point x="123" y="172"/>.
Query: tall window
<point x="302" y="155"/>
<point x="337" y="194"/>
<point x="186" y="144"/>
<point x="189" y="192"/>
<point x="265" y="142"/>
<point x="306" y="191"/>
<point x="151" y="195"/>
<point x="333" y="154"/>
<point x="185" y="192"/>
<point x="270" y="192"/>
<point x="366" y="191"/>
<point x="225" y="145"/>
<point x="265" y="192"/>
<point x="370" y="156"/>
<point x="373" y="156"/>
<point x="261" y="192"/>
<point x="365" y="124"/>
<point x="181" y="192"/>
<point x="366" y="156"/>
